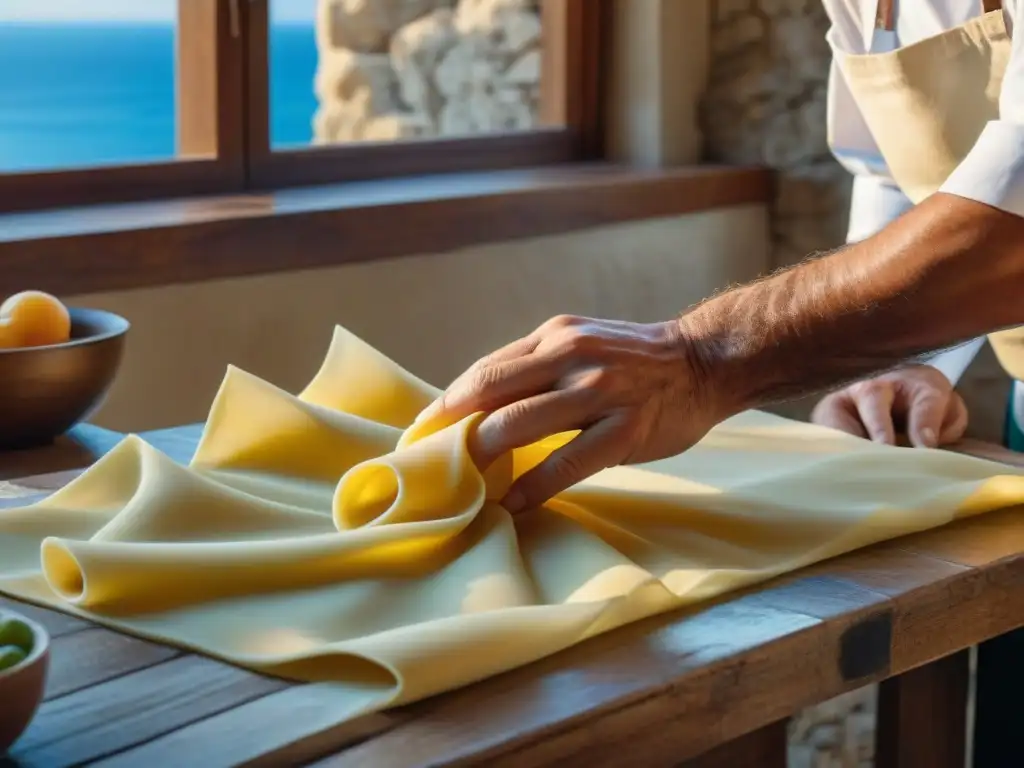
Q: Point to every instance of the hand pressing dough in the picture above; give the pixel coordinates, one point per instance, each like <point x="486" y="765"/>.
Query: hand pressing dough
<point x="323" y="538"/>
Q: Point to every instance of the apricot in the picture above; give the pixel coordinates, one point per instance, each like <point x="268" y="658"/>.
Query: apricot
<point x="33" y="319"/>
<point x="8" y="338"/>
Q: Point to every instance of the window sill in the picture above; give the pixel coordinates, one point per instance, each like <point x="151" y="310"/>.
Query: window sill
<point x="119" y="247"/>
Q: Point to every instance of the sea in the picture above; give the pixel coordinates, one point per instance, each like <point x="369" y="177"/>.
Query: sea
<point x="78" y="95"/>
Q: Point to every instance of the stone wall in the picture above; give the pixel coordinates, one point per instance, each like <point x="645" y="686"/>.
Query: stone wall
<point x="765" y="104"/>
<point x="396" y="69"/>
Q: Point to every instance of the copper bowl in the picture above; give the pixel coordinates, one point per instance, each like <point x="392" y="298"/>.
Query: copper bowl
<point x="45" y="391"/>
<point x="22" y="686"/>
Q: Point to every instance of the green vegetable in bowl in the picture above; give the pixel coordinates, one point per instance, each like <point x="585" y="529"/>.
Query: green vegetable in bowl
<point x="11" y="656"/>
<point x="16" y="641"/>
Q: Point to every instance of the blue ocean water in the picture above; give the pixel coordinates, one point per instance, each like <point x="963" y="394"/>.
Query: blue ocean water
<point x="89" y="94"/>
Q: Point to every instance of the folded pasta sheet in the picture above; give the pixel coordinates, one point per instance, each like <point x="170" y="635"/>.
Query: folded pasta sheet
<point x="326" y="537"/>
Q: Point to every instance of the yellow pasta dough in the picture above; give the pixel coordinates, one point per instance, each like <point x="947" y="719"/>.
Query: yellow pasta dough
<point x="324" y="538"/>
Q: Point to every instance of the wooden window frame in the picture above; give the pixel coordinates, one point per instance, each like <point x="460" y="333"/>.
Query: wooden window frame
<point x="223" y="95"/>
<point x="209" y="89"/>
<point x="570" y="111"/>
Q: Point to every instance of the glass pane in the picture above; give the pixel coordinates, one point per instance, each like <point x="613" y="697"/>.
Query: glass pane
<point x="382" y="70"/>
<point x="293" y="59"/>
<point x="86" y="83"/>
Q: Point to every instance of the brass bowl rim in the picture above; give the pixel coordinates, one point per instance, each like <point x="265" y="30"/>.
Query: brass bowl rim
<point x="118" y="326"/>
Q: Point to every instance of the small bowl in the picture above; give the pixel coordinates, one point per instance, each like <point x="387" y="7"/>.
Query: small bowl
<point x="22" y="686"/>
<point x="45" y="391"/>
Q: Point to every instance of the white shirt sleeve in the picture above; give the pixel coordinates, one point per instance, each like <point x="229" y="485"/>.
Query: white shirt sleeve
<point x="954" y="361"/>
<point x="874" y="202"/>
<point x="993" y="172"/>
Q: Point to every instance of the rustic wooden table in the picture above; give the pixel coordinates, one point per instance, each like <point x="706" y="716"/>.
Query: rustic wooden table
<point x="709" y="688"/>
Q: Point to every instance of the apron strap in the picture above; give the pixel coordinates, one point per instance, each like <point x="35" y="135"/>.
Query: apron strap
<point x="885" y="15"/>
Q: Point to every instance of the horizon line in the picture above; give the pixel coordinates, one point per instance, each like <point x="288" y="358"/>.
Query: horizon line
<point x="94" y="22"/>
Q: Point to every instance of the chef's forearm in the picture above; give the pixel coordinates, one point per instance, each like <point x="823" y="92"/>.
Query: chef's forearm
<point x="947" y="271"/>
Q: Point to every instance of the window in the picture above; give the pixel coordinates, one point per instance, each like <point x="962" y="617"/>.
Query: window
<point x="419" y="86"/>
<point x="96" y="92"/>
<point x="117" y="100"/>
<point x="124" y="100"/>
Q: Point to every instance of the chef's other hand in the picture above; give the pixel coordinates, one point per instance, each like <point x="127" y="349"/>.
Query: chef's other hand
<point x="916" y="398"/>
<point x="633" y="389"/>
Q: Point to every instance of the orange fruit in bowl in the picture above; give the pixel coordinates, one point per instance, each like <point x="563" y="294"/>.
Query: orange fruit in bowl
<point x="33" y="319"/>
<point x="8" y="338"/>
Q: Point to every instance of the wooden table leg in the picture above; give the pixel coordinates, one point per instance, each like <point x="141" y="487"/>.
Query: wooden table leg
<point x="763" y="748"/>
<point x="922" y="716"/>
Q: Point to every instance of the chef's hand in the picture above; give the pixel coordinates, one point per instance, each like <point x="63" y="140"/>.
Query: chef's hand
<point x="917" y="398"/>
<point x="633" y="389"/>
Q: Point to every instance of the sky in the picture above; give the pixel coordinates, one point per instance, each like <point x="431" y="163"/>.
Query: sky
<point x="129" y="10"/>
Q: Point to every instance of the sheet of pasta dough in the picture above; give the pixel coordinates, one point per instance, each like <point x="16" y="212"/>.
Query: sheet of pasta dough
<point x="323" y="538"/>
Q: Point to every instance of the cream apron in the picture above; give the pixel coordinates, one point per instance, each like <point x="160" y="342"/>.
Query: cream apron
<point x="926" y="104"/>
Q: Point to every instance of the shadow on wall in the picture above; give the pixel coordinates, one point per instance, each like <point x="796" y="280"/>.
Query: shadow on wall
<point x="434" y="314"/>
<point x="765" y="105"/>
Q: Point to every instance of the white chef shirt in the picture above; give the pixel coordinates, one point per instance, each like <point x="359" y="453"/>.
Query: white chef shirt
<point x="992" y="173"/>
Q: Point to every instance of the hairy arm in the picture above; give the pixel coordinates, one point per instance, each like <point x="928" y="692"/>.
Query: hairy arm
<point x="948" y="270"/>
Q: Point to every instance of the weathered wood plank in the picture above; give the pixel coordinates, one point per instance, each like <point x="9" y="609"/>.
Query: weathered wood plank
<point x="976" y="541"/>
<point x="887" y="568"/>
<point x="29" y="490"/>
<point x="95" y="655"/>
<point x="961" y="610"/>
<point x="79" y="448"/>
<point x="290" y="727"/>
<point x="990" y="451"/>
<point x="669" y="686"/>
<point x="56" y="624"/>
<point x="179" y="443"/>
<point x="118" y="714"/>
<point x="674" y="687"/>
<point x="539" y="718"/>
<point x="857" y="625"/>
<point x="921" y="591"/>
